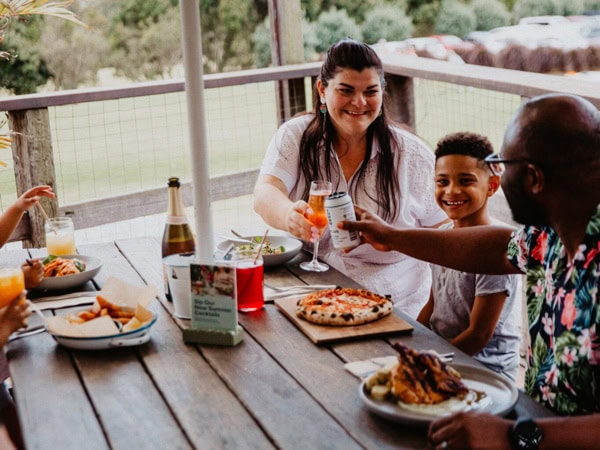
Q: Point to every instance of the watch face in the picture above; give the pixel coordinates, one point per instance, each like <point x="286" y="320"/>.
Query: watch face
<point x="525" y="434"/>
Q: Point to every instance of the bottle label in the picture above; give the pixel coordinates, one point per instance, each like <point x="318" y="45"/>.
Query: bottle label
<point x="177" y="220"/>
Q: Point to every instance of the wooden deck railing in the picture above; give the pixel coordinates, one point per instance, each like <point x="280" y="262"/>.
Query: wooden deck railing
<point x="32" y="150"/>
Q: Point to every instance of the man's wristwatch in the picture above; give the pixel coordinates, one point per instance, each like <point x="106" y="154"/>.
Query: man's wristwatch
<point x="525" y="435"/>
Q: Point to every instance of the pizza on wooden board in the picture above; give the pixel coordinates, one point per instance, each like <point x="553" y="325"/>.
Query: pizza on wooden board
<point x="343" y="307"/>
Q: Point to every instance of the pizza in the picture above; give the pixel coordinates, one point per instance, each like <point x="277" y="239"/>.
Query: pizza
<point x="343" y="307"/>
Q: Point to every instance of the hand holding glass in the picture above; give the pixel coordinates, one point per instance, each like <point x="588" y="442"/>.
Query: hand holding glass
<point x="12" y="283"/>
<point x="319" y="191"/>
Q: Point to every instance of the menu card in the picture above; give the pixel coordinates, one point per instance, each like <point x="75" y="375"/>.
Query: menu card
<point x="214" y="302"/>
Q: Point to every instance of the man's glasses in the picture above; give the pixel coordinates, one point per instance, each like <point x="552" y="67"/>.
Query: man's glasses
<point x="498" y="165"/>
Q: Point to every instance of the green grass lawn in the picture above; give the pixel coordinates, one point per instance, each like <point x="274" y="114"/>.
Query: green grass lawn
<point x="115" y="147"/>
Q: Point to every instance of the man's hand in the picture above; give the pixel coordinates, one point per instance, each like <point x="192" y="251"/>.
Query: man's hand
<point x="372" y="228"/>
<point x="470" y="430"/>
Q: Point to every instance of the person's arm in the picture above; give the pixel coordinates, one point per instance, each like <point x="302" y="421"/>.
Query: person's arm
<point x="482" y="323"/>
<point x="272" y="203"/>
<point x="13" y="317"/>
<point x="426" y="311"/>
<point x="478" y="430"/>
<point x="11" y="217"/>
<point x="480" y="249"/>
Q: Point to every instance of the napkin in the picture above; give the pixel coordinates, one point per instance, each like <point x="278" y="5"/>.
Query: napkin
<point x="127" y="296"/>
<point x="298" y="291"/>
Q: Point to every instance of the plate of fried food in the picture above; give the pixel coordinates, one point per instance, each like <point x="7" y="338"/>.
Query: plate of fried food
<point x="118" y="317"/>
<point x="276" y="250"/>
<point x="68" y="271"/>
<point x="419" y="388"/>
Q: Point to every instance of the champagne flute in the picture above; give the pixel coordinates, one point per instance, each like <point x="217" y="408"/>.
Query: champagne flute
<point x="319" y="191"/>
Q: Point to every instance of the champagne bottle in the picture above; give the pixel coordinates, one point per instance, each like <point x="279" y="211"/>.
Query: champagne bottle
<point x="177" y="237"/>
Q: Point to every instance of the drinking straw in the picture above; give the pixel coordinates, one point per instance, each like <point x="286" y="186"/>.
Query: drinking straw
<point x="261" y="246"/>
<point x="46" y="218"/>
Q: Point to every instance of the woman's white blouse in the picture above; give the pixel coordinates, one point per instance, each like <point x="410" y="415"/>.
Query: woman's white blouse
<point x="406" y="279"/>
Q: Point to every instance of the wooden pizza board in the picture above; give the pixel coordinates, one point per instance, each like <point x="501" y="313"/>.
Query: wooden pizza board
<point x="320" y="334"/>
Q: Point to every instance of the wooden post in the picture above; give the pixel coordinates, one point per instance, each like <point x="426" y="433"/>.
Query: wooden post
<point x="287" y="47"/>
<point x="34" y="165"/>
<point x="401" y="101"/>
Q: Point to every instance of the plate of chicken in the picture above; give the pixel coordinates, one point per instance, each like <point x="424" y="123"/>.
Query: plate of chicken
<point x="419" y="388"/>
<point x="68" y="271"/>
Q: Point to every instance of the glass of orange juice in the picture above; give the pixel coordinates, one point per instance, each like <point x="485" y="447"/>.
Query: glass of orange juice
<point x="12" y="283"/>
<point x="60" y="236"/>
<point x="319" y="191"/>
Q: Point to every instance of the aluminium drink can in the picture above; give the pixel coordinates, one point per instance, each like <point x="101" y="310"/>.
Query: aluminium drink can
<point x="338" y="206"/>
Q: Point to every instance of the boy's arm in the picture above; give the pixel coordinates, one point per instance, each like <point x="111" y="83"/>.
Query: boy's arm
<point x="425" y="314"/>
<point x="11" y="217"/>
<point x="484" y="318"/>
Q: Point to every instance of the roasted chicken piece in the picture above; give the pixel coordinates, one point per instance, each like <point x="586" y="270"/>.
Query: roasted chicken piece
<point x="59" y="267"/>
<point x="422" y="378"/>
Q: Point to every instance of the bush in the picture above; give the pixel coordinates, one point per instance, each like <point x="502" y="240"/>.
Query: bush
<point x="424" y="18"/>
<point x="490" y="14"/>
<point x="386" y="22"/>
<point x="527" y="8"/>
<point x="455" y="18"/>
<point x="572" y="7"/>
<point x="332" y="26"/>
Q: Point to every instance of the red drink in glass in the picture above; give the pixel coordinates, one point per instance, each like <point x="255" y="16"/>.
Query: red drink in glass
<point x="249" y="284"/>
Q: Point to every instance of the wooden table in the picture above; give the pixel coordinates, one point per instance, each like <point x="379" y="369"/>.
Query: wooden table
<point x="275" y="390"/>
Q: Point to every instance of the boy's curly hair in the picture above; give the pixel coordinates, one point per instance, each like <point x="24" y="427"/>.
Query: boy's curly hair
<point x="464" y="143"/>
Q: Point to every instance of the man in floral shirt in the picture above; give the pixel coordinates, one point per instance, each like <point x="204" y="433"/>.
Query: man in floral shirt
<point x="550" y="168"/>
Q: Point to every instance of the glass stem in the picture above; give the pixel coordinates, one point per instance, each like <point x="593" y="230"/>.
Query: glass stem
<point x="316" y="252"/>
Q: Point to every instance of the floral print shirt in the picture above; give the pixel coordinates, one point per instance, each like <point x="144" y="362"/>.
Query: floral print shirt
<point x="564" y="318"/>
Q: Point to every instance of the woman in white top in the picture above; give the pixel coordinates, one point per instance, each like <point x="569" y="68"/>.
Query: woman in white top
<point x="349" y="141"/>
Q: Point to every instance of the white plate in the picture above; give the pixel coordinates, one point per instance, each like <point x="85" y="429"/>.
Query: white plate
<point x="502" y="393"/>
<point x="129" y="339"/>
<point x="292" y="248"/>
<point x="92" y="267"/>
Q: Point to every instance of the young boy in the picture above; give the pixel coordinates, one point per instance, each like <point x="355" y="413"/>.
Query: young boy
<point x="476" y="313"/>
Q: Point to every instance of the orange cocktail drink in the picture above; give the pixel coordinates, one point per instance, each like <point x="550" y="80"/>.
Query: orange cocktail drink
<point x="316" y="201"/>
<point x="12" y="283"/>
<point x="319" y="191"/>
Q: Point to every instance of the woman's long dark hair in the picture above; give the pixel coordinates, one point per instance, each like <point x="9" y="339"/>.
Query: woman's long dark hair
<point x="318" y="136"/>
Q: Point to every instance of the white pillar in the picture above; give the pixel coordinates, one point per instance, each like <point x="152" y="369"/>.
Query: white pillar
<point x="194" y="89"/>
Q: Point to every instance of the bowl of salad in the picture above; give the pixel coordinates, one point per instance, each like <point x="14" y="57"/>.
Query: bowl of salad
<point x="277" y="250"/>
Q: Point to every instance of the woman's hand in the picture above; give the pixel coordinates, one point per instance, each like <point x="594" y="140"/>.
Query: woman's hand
<point x="297" y="223"/>
<point x="33" y="271"/>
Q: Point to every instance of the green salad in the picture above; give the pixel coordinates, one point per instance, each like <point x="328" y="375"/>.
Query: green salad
<point x="252" y="247"/>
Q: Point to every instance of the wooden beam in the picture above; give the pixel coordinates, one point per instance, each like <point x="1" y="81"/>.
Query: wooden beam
<point x="154" y="201"/>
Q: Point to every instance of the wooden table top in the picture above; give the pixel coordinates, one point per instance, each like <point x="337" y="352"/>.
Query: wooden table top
<point x="276" y="389"/>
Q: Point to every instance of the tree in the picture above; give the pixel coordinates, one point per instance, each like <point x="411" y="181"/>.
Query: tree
<point x="455" y="18"/>
<point x="333" y="25"/>
<point x="262" y="43"/>
<point x="22" y="70"/>
<point x="386" y="22"/>
<point x="592" y="5"/>
<point x="490" y="14"/>
<point x="71" y="65"/>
